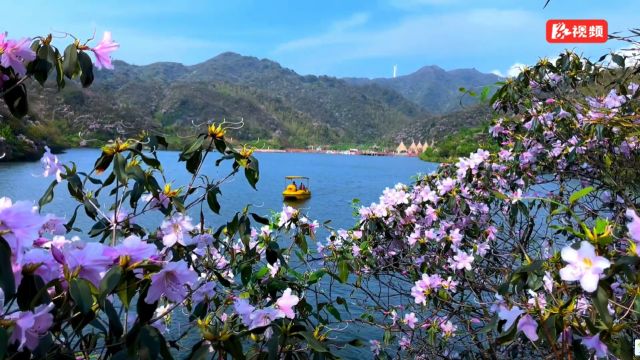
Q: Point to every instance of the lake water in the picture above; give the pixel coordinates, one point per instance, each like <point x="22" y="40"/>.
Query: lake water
<point x="335" y="181"/>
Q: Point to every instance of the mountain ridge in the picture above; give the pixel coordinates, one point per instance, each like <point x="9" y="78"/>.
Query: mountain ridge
<point x="273" y="103"/>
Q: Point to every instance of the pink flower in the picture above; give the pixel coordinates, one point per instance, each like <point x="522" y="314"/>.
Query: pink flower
<point x="286" y="303"/>
<point x="137" y="249"/>
<point x="48" y="268"/>
<point x="404" y="343"/>
<point x="263" y="317"/>
<point x="462" y="260"/>
<point x="30" y="326"/>
<point x="171" y="282"/>
<point x="583" y="265"/>
<point x="20" y="224"/>
<point x="594" y="343"/>
<point x="176" y="230"/>
<point x="634" y="225"/>
<point x="244" y="309"/>
<point x="102" y="51"/>
<point x="529" y="327"/>
<point x="91" y="260"/>
<point x="51" y="165"/>
<point x="448" y="328"/>
<point x="13" y="54"/>
<point x="509" y="316"/>
<point x="410" y="319"/>
<point x="374" y="346"/>
<point x="287" y="214"/>
<point x="205" y="291"/>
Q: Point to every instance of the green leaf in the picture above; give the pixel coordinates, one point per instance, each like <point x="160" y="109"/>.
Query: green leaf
<point x="59" y="70"/>
<point x="333" y="311"/>
<point x="252" y="172"/>
<point x="30" y="294"/>
<point x="81" y="293"/>
<point x="4" y="341"/>
<point x="580" y="194"/>
<point x="212" y="199"/>
<point x="7" y="282"/>
<point x="260" y="219"/>
<point x="119" y="166"/>
<point x="48" y="195"/>
<point x="86" y="77"/>
<point x="343" y="271"/>
<point x="145" y="310"/>
<point x="313" y="343"/>
<point x="115" y="326"/>
<point x="618" y="60"/>
<point x="234" y="347"/>
<point x="110" y="281"/>
<point x="70" y="64"/>
<point x="16" y="99"/>
<point x="151" y="344"/>
<point x="601" y="303"/>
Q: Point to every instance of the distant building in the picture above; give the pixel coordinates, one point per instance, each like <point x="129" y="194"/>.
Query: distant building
<point x="420" y="148"/>
<point x="401" y="149"/>
<point x="412" y="148"/>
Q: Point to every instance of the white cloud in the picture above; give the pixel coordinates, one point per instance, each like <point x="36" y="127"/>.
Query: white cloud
<point x="469" y="33"/>
<point x="337" y="34"/>
<point x="412" y="4"/>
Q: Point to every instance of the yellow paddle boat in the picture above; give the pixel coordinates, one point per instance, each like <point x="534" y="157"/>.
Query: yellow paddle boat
<point x="293" y="191"/>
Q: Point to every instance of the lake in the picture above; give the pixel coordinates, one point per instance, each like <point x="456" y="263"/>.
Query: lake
<point x="334" y="180"/>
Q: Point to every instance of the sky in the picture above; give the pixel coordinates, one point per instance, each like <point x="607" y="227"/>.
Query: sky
<point x="360" y="38"/>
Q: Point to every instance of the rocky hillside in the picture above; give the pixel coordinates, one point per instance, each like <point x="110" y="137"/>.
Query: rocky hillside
<point x="274" y="105"/>
<point x="434" y="88"/>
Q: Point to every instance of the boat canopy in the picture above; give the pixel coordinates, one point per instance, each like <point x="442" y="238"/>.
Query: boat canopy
<point x="296" y="177"/>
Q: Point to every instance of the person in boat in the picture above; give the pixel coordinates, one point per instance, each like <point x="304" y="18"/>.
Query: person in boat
<point x="302" y="187"/>
<point x="295" y="186"/>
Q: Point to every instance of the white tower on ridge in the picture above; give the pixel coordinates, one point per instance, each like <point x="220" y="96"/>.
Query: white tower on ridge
<point x="395" y="71"/>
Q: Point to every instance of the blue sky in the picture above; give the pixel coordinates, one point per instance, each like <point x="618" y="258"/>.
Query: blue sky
<point x="333" y="37"/>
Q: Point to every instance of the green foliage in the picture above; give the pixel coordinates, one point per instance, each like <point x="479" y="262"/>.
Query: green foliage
<point x="460" y="144"/>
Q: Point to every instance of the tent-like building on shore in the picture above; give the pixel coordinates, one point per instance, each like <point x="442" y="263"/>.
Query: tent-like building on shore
<point x="401" y="149"/>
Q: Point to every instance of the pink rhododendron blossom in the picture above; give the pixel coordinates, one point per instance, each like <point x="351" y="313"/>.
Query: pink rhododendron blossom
<point x="30" y="326"/>
<point x="410" y="319"/>
<point x="244" y="309"/>
<point x="161" y="201"/>
<point x="375" y="347"/>
<point x="404" y="343"/>
<point x="137" y="249"/>
<point x="509" y="315"/>
<point x="176" y="230"/>
<point x="634" y="225"/>
<point x="21" y="222"/>
<point x="204" y="291"/>
<point x="594" y="343"/>
<point x="14" y="53"/>
<point x="103" y="50"/>
<point x="583" y="265"/>
<point x="448" y="328"/>
<point x="91" y="260"/>
<point x="287" y="214"/>
<point x="548" y="282"/>
<point x="48" y="269"/>
<point x="461" y="260"/>
<point x="263" y="317"/>
<point x="286" y="303"/>
<point x="529" y="327"/>
<point x="51" y="165"/>
<point x="171" y="282"/>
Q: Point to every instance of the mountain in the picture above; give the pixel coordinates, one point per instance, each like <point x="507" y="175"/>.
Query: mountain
<point x="259" y="99"/>
<point x="434" y="88"/>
